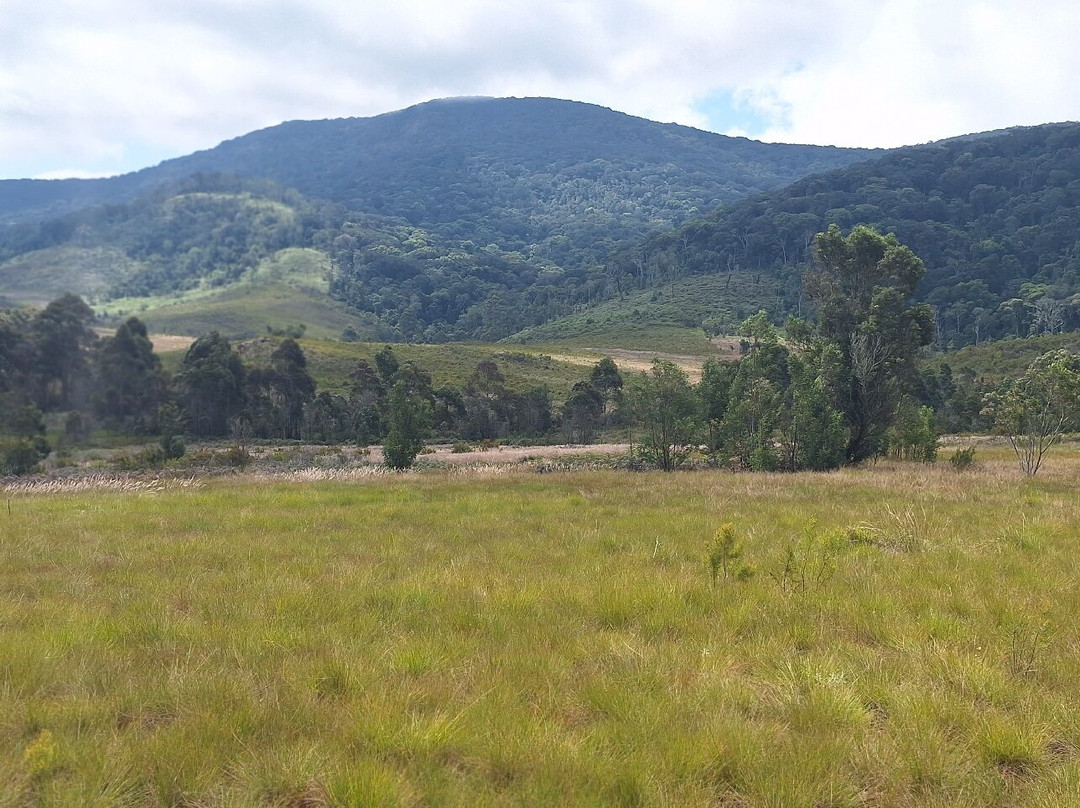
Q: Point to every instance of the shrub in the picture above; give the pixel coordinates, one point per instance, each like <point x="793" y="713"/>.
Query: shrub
<point x="810" y="560"/>
<point x="40" y="757"/>
<point x="963" y="459"/>
<point x="22" y="455"/>
<point x="725" y="556"/>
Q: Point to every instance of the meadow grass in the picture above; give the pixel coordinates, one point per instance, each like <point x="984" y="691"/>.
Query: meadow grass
<point x="909" y="639"/>
<point x="331" y="362"/>
<point x="666" y="318"/>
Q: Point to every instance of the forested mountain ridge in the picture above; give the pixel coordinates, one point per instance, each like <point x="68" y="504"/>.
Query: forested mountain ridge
<point x="207" y="231"/>
<point x="995" y="218"/>
<point x="440" y="218"/>
<point x="479" y="219"/>
<point x="506" y="164"/>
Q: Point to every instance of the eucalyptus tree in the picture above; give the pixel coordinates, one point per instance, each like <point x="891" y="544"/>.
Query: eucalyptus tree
<point x="862" y="284"/>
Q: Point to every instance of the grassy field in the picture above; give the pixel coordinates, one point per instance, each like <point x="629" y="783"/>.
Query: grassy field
<point x="667" y="318"/>
<point x="493" y="637"/>
<point x="286" y="290"/>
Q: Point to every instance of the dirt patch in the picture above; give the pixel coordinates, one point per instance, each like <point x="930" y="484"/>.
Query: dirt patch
<point x="729" y="348"/>
<point x="161" y="342"/>
<point x="634" y="361"/>
<point x="170" y="342"/>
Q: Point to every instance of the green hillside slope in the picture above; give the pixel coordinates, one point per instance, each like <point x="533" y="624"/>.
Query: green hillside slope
<point x="287" y="291"/>
<point x="449" y="220"/>
<point x="996" y="219"/>
<point x="675" y="317"/>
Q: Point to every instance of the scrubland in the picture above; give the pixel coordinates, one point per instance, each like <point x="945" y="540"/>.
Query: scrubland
<point x="907" y="637"/>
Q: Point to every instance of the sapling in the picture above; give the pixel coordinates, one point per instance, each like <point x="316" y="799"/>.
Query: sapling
<point x="725" y="555"/>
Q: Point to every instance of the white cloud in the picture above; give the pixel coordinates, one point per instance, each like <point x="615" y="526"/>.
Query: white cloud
<point x="110" y="85"/>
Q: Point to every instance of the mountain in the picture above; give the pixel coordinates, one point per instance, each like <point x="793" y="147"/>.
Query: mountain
<point x="996" y="219"/>
<point x="451" y="219"/>
<point x="513" y="168"/>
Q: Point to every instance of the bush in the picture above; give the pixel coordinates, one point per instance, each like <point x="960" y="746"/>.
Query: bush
<point x="963" y="459"/>
<point x="237" y="457"/>
<point x="22" y="456"/>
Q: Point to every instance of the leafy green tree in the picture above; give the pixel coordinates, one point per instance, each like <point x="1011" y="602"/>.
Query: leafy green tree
<point x="756" y="397"/>
<point x="450" y="414"/>
<point x="367" y="399"/>
<point x="277" y="394"/>
<point x="532" y="413"/>
<point x="489" y="403"/>
<point x="19" y="358"/>
<point x="714" y="389"/>
<point x="327" y="419"/>
<point x="171" y="424"/>
<point x="810" y="429"/>
<point x="22" y="435"/>
<point x="608" y="381"/>
<point x="64" y="336"/>
<point x="669" y="413"/>
<point x="913" y="435"/>
<point x="210" y="386"/>
<point x="861" y="285"/>
<point x="387" y="364"/>
<point x="582" y="412"/>
<point x="1034" y="411"/>
<point x="130" y="384"/>
<point x="409" y="419"/>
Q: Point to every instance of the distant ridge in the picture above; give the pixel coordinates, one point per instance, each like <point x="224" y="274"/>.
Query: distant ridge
<point x="439" y="150"/>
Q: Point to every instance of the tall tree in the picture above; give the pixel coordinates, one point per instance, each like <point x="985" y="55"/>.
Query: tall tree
<point x="581" y="413"/>
<point x="277" y="394"/>
<point x="130" y="383"/>
<point x="210" y="386"/>
<point x="608" y="381"/>
<point x="1035" y="410"/>
<point x="669" y="412"/>
<point x="861" y="285"/>
<point x="387" y="364"/>
<point x="409" y="417"/>
<point x="367" y="398"/>
<point x="64" y="337"/>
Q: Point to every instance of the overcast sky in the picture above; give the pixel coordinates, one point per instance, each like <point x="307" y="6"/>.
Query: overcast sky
<point x="95" y="87"/>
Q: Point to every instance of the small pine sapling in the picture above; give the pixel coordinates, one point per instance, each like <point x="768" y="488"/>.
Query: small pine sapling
<point x="725" y="556"/>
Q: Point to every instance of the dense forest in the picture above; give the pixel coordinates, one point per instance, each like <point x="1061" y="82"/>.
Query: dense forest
<point x="515" y="172"/>
<point x="996" y="219"/>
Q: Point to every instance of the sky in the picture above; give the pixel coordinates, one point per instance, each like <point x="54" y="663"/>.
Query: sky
<point x="99" y="87"/>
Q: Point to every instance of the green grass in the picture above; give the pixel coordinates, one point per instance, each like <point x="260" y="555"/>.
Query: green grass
<point x="330" y="363"/>
<point x="285" y="290"/>
<point x="468" y="640"/>
<point x="36" y="278"/>
<point x="667" y="318"/>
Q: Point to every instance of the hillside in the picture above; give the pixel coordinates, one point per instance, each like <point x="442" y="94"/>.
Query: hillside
<point x="484" y="219"/>
<point x="996" y="220"/>
<point x="449" y="220"/>
<point x="286" y="292"/>
<point x="512" y="171"/>
<point x="676" y="316"/>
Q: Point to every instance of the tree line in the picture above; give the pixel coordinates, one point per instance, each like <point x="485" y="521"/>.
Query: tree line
<point x="842" y="389"/>
<point x="53" y="363"/>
